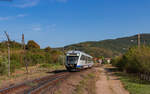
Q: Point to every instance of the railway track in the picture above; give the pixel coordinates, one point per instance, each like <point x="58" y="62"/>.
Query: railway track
<point x="37" y="86"/>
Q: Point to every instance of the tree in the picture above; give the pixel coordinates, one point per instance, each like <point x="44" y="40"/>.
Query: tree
<point x="55" y="55"/>
<point x="32" y="45"/>
<point x="47" y="49"/>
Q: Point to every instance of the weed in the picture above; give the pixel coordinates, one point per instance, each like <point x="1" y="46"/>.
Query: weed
<point x="134" y="85"/>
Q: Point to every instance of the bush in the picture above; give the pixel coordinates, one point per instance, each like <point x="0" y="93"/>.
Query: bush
<point x="47" y="49"/>
<point x="48" y="58"/>
<point x="134" y="61"/>
<point x="3" y="66"/>
<point x="32" y="56"/>
<point x="14" y="65"/>
<point x="51" y="66"/>
<point x="33" y="59"/>
<point x="16" y="59"/>
<point x="32" y="45"/>
<point x="55" y="56"/>
<point x="45" y="65"/>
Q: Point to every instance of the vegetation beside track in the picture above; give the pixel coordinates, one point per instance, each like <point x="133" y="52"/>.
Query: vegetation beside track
<point x="133" y="84"/>
<point x="39" y="62"/>
<point x="32" y="56"/>
<point x="135" y="60"/>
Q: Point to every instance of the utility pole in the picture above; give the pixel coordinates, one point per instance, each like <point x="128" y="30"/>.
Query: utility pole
<point x="144" y="42"/>
<point x="8" y="43"/>
<point x="139" y="40"/>
<point x="63" y="55"/>
<point x="23" y="47"/>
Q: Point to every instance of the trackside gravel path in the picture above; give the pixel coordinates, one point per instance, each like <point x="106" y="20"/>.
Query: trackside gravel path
<point x="108" y="83"/>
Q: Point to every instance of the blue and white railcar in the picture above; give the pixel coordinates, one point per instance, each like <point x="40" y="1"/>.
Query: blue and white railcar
<point x="78" y="60"/>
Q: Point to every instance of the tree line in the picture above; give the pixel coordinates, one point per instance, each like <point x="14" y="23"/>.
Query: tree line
<point x="32" y="56"/>
<point x="135" y="60"/>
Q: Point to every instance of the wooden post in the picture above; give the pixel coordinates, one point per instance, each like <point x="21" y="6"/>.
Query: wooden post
<point x="8" y="43"/>
<point x="23" y="47"/>
<point x="63" y="56"/>
<point x="139" y="41"/>
<point x="8" y="59"/>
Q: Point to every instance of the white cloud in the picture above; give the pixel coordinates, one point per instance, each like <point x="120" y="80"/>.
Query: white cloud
<point x="21" y="15"/>
<point x="4" y="18"/>
<point x="12" y="17"/>
<point x="62" y="1"/>
<point x="51" y="27"/>
<point x="26" y="3"/>
<point x="37" y="28"/>
<point x="30" y="3"/>
<point x="43" y="28"/>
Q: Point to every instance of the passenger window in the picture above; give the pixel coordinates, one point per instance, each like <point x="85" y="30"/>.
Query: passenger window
<point x="86" y="59"/>
<point x="82" y="57"/>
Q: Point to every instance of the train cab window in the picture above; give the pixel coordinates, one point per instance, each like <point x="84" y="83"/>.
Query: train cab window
<point x="72" y="59"/>
<point x="83" y="57"/>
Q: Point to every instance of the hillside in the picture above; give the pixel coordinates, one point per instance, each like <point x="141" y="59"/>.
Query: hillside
<point x="110" y="47"/>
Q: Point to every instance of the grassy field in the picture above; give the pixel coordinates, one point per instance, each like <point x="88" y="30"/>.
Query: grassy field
<point x="134" y="85"/>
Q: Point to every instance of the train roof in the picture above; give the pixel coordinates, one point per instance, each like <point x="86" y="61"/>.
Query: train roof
<point x="72" y="51"/>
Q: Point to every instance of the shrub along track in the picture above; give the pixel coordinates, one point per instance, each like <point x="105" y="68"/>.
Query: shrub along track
<point x="36" y="86"/>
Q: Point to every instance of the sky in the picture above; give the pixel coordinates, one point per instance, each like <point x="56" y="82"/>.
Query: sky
<point x="57" y="23"/>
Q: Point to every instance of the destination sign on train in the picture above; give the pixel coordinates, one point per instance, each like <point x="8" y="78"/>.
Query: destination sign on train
<point x="72" y="54"/>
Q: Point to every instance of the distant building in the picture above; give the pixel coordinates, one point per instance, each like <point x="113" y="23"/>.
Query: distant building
<point x="108" y="60"/>
<point x="98" y="60"/>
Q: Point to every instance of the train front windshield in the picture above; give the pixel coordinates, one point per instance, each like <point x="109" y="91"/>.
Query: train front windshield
<point x="72" y="59"/>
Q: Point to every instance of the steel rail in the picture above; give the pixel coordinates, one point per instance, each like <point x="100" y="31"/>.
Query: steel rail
<point x="38" y="81"/>
<point x="46" y="85"/>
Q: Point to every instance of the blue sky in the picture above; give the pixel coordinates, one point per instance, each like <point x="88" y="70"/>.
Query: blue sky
<point x="57" y="23"/>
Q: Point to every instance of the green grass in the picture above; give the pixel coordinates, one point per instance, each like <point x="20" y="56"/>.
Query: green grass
<point x="51" y="66"/>
<point x="134" y="85"/>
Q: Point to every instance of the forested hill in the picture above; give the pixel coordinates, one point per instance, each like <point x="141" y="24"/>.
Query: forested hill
<point x="110" y="47"/>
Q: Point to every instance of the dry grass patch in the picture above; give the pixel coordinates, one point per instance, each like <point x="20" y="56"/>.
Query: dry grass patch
<point x="87" y="85"/>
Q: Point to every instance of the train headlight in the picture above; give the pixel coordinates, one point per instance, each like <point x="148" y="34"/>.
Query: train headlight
<point x="78" y="54"/>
